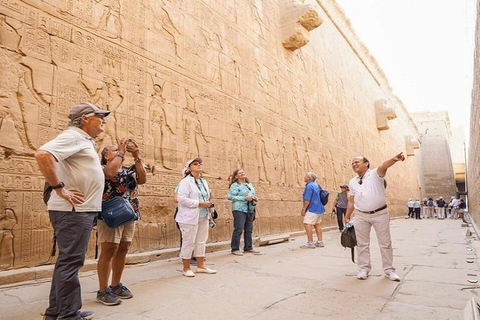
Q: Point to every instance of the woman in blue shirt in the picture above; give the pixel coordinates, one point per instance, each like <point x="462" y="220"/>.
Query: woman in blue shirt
<point x="242" y="195"/>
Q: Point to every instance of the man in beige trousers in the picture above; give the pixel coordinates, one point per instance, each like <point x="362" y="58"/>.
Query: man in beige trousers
<point x="367" y="198"/>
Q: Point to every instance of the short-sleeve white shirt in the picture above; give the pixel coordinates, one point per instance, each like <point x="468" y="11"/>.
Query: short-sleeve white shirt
<point x="371" y="194"/>
<point x="79" y="168"/>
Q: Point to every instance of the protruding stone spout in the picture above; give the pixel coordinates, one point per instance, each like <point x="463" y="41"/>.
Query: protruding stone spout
<point x="383" y="114"/>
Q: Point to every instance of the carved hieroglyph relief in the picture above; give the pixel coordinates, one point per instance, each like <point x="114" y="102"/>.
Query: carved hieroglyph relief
<point x="110" y="20"/>
<point x="194" y="137"/>
<point x="159" y="128"/>
<point x="186" y="79"/>
<point x="7" y="223"/>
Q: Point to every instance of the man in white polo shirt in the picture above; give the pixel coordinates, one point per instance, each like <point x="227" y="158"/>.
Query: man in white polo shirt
<point x="367" y="198"/>
<point x="72" y="167"/>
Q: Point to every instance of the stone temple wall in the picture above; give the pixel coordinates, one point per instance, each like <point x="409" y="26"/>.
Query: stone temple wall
<point x="473" y="168"/>
<point x="279" y="87"/>
<point x="437" y="165"/>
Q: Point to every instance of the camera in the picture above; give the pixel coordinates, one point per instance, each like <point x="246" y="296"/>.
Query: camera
<point x="254" y="201"/>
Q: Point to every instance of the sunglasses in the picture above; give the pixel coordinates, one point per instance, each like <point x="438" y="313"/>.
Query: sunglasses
<point x="360" y="180"/>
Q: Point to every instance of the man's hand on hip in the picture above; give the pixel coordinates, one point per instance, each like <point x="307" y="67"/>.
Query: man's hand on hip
<point x="72" y="196"/>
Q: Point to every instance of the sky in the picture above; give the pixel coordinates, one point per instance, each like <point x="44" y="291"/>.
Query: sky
<point x="425" y="48"/>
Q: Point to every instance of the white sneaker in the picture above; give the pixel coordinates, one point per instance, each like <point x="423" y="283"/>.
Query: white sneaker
<point x="319" y="244"/>
<point x="362" y="275"/>
<point x="393" y="276"/>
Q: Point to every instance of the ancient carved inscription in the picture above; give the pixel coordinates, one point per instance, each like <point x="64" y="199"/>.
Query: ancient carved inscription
<point x="187" y="79"/>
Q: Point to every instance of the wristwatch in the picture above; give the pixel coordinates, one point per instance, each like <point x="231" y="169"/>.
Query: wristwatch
<point x="59" y="186"/>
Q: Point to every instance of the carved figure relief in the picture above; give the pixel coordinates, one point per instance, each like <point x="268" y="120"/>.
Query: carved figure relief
<point x="109" y="96"/>
<point x="158" y="126"/>
<point x="164" y="24"/>
<point x="262" y="154"/>
<point x="213" y="52"/>
<point x="16" y="86"/>
<point x="282" y="151"/>
<point x="110" y="16"/>
<point x="9" y="37"/>
<point x="297" y="164"/>
<point x="230" y="71"/>
<point x="257" y="14"/>
<point x="238" y="138"/>
<point x="307" y="164"/>
<point x="193" y="134"/>
<point x="7" y="254"/>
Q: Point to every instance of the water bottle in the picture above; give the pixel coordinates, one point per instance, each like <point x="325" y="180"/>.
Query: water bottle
<point x="349" y="224"/>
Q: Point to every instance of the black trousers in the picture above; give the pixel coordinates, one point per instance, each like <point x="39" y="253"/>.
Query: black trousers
<point x="72" y="230"/>
<point x="410" y="212"/>
<point x="417" y="213"/>
<point x="340" y="214"/>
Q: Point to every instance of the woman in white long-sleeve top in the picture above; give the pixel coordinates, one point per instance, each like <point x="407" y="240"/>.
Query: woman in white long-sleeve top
<point x="194" y="201"/>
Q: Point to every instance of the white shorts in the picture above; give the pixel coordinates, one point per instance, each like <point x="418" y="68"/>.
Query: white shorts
<point x="312" y="218"/>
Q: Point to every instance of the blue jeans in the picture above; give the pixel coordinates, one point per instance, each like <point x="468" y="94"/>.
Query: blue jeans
<point x="242" y="222"/>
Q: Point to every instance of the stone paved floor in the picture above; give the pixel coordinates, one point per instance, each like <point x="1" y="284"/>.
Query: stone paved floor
<point x="287" y="282"/>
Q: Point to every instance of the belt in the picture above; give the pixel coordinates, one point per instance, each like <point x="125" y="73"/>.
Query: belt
<point x="371" y="212"/>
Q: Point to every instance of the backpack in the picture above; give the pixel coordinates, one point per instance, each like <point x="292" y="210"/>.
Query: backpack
<point x="348" y="239"/>
<point x="324" y="196"/>
<point x="430" y="203"/>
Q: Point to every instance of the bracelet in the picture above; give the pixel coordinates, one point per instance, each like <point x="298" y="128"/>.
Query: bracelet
<point x="120" y="154"/>
<point x="137" y="160"/>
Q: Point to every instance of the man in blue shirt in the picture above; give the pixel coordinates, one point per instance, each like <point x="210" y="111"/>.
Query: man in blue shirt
<point x="312" y="211"/>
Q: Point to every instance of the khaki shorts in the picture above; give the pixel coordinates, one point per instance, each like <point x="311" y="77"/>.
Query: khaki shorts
<point x="115" y="235"/>
<point x="312" y="218"/>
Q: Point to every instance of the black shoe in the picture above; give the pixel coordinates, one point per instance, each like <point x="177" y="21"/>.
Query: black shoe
<point x="86" y="315"/>
<point x="121" y="291"/>
<point x="82" y="315"/>
<point x="108" y="298"/>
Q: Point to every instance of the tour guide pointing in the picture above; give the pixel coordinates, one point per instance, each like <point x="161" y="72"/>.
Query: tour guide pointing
<point x="367" y="197"/>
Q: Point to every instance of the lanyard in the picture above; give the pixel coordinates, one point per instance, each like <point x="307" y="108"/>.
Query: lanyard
<point x="203" y="192"/>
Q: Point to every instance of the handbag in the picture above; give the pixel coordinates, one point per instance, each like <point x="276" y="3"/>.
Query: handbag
<point x="348" y="239"/>
<point x="118" y="211"/>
